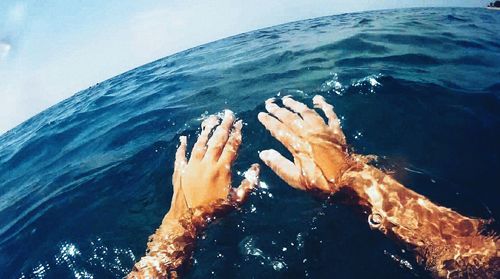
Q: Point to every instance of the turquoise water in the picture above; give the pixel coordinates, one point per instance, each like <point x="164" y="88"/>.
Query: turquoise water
<point x="84" y="183"/>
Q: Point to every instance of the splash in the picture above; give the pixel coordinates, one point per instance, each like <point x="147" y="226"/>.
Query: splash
<point x="367" y="85"/>
<point x="332" y="85"/>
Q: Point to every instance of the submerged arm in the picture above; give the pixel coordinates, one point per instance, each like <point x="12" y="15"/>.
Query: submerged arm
<point x="446" y="243"/>
<point x="170" y="246"/>
<point x="202" y="190"/>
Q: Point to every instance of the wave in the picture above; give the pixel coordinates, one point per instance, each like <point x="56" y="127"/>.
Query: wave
<point x="413" y="86"/>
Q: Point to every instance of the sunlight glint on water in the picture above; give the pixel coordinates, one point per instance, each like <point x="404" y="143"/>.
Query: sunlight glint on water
<point x="84" y="183"/>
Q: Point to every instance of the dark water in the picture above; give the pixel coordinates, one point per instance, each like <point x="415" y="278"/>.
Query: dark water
<point x="84" y="183"/>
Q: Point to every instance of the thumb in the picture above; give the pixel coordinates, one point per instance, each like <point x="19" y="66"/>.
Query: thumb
<point x="240" y="194"/>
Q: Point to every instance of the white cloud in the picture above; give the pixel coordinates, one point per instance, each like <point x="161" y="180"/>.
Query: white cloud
<point x="4" y="50"/>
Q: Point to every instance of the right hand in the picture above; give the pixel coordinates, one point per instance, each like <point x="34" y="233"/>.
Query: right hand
<point x="319" y="149"/>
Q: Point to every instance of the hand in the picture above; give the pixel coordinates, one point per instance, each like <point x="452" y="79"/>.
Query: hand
<point x="203" y="184"/>
<point x="319" y="149"/>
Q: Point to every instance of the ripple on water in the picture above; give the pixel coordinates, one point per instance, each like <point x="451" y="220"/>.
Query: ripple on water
<point x="409" y="85"/>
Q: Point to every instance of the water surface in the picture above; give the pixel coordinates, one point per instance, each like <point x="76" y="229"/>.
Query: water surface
<point x="84" y="183"/>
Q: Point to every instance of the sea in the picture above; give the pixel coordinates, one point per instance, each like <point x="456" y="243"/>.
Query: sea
<point x="84" y="183"/>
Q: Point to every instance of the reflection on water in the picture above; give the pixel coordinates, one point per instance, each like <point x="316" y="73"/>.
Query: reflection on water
<point x="71" y="261"/>
<point x="84" y="183"/>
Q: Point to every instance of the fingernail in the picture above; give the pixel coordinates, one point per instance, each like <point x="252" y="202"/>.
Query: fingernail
<point x="251" y="175"/>
<point x="239" y="124"/>
<point x="183" y="139"/>
<point x="256" y="167"/>
<point x="261" y="115"/>
<point x="228" y="113"/>
<point x="318" y="97"/>
<point x="264" y="155"/>
<point x="211" y="120"/>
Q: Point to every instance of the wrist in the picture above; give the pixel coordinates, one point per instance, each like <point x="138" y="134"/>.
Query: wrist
<point x="179" y="208"/>
<point x="373" y="192"/>
<point x="349" y="172"/>
<point x="194" y="219"/>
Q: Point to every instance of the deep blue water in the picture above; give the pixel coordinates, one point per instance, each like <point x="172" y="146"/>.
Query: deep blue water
<point x="84" y="183"/>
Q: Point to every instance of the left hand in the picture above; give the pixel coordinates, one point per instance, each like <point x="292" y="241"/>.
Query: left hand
<point x="203" y="183"/>
<point x="319" y="150"/>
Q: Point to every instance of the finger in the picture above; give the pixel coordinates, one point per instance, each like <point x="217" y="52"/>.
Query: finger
<point x="200" y="146"/>
<point x="218" y="140"/>
<point x="311" y="176"/>
<point x="283" y="167"/>
<point x="290" y="119"/>
<point x="279" y="131"/>
<point x="309" y="115"/>
<point x="180" y="158"/>
<point x="240" y="194"/>
<point x="233" y="143"/>
<point x="333" y="120"/>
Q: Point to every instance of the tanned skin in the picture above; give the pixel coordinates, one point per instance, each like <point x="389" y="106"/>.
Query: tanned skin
<point x="202" y="190"/>
<point x="445" y="242"/>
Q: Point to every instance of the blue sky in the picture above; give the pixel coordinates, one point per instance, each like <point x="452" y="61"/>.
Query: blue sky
<point x="51" y="49"/>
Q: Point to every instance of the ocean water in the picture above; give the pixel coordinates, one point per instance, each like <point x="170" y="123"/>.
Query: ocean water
<point x="84" y="183"/>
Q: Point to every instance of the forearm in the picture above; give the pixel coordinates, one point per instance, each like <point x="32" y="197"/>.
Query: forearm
<point x="202" y="190"/>
<point x="171" y="246"/>
<point x="446" y="242"/>
<point x="168" y="249"/>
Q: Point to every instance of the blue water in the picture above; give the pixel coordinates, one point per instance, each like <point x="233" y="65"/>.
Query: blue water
<point x="84" y="183"/>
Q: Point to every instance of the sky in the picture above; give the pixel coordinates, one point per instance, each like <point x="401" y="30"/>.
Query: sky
<point x="51" y="49"/>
